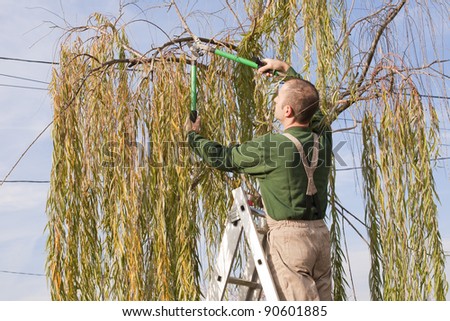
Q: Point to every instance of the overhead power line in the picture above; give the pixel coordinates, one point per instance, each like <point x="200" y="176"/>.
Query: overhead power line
<point x="24" y="78"/>
<point x="27" y="181"/>
<point x="30" y="61"/>
<point x="348" y="169"/>
<point x="22" y="273"/>
<point x="341" y="169"/>
<point x="22" y="87"/>
<point x="434" y="96"/>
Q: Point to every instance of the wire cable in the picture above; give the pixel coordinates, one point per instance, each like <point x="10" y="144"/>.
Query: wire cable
<point x="341" y="169"/>
<point x="28" y="181"/>
<point x="25" y="152"/>
<point x="23" y="87"/>
<point x="22" y="273"/>
<point x="30" y="61"/>
<point x="23" y="78"/>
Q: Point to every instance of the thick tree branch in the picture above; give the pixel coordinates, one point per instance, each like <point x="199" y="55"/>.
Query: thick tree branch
<point x="371" y="53"/>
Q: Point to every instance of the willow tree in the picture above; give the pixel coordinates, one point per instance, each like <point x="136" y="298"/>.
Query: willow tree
<point x="129" y="206"/>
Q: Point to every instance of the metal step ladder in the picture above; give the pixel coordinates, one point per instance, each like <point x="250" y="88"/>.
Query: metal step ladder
<point x="256" y="279"/>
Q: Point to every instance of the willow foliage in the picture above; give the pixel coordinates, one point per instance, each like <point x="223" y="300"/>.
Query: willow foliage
<point x="119" y="229"/>
<point x="400" y="193"/>
<point x="132" y="213"/>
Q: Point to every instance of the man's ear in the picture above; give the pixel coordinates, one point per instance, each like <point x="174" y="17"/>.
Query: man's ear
<point x="289" y="112"/>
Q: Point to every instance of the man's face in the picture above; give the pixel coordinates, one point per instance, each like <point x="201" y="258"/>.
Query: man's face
<point x="280" y="103"/>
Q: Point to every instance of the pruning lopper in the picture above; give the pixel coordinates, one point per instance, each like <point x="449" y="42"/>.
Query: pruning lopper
<point x="198" y="49"/>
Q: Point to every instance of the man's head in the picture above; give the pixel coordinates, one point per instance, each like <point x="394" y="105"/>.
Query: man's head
<point x="297" y="101"/>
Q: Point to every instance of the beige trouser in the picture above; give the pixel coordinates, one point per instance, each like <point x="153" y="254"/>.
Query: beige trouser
<point x="299" y="259"/>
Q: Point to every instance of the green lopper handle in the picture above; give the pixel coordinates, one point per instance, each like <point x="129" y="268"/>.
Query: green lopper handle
<point x="236" y="58"/>
<point x="255" y="63"/>
<point x="193" y="112"/>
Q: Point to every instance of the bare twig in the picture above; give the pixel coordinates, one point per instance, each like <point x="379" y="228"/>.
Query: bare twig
<point x="235" y="16"/>
<point x="377" y="38"/>
<point x="183" y="21"/>
<point x="349" y="31"/>
<point x="371" y="53"/>
<point x="348" y="128"/>
<point x="348" y="259"/>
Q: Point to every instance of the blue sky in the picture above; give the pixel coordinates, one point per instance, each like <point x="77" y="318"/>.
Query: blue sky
<point x="27" y="34"/>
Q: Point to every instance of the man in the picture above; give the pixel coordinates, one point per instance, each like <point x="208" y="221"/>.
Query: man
<point x="293" y="183"/>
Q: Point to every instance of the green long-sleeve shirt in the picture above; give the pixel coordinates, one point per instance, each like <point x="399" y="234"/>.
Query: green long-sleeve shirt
<point x="274" y="160"/>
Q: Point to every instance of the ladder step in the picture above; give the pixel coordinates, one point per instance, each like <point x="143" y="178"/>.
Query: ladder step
<point x="249" y="284"/>
<point x="243" y="220"/>
<point x="258" y="212"/>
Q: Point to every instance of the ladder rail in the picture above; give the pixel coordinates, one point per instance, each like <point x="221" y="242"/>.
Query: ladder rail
<point x="257" y="273"/>
<point x="254" y="244"/>
<point x="225" y="258"/>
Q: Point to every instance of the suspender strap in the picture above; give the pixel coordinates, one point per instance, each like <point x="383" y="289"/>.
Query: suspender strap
<point x="309" y="169"/>
<point x="311" y="190"/>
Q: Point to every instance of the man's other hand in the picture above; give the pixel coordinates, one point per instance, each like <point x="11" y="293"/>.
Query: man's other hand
<point x="190" y="126"/>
